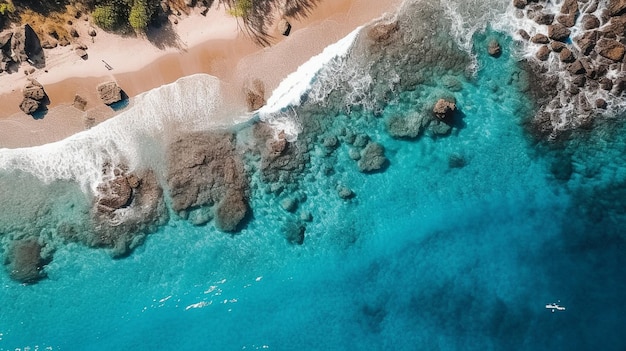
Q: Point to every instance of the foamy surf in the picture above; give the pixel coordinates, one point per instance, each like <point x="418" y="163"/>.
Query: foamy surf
<point x="291" y="91"/>
<point x="133" y="137"/>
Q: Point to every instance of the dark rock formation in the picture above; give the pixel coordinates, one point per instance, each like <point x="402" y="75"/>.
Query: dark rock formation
<point x="92" y="32"/>
<point x="543" y="53"/>
<point x="29" y="106"/>
<point x="566" y="55"/>
<point x="344" y="192"/>
<point x="122" y="214"/>
<point x="444" y="109"/>
<point x="280" y="159"/>
<point x="81" y="53"/>
<point x="611" y="49"/>
<point x="569" y="7"/>
<point x="34" y="90"/>
<point x="590" y="22"/>
<point x="109" y="92"/>
<point x="540" y="39"/>
<point x="114" y="194"/>
<point x="372" y="158"/>
<point x="544" y="18"/>
<point x="25" y="45"/>
<point x="205" y="170"/>
<point x="616" y="7"/>
<point x="494" y="48"/>
<point x="557" y="46"/>
<point x="79" y="102"/>
<point x="25" y="262"/>
<point x="294" y="232"/>
<point x="284" y="27"/>
<point x="406" y="127"/>
<point x="558" y="32"/>
<point x="383" y="31"/>
<point x="566" y="20"/>
<point x="255" y="95"/>
<point x="576" y="67"/>
<point x="5" y="38"/>
<point x="520" y="4"/>
<point x="587" y="42"/>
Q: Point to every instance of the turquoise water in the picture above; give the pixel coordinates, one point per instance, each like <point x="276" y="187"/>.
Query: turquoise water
<point x="426" y="256"/>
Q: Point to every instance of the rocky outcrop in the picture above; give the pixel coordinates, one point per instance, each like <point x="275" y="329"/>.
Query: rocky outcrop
<point x="444" y="109"/>
<point x="280" y="159"/>
<point x="127" y="207"/>
<point x="284" y="27"/>
<point x="611" y="49"/>
<point x="204" y="169"/>
<point x="382" y="32"/>
<point x="109" y="92"/>
<point x="25" y="262"/>
<point x="372" y="158"/>
<point x="255" y="95"/>
<point x="410" y="126"/>
<point x="589" y="65"/>
<point x="25" y="44"/>
<point x="493" y="48"/>
<point x="34" y="96"/>
<point x="616" y="7"/>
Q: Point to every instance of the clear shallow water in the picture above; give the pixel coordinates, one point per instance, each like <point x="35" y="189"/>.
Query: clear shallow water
<point x="424" y="257"/>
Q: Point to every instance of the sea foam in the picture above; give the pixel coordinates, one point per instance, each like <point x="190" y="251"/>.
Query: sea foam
<point x="191" y="103"/>
<point x="290" y="92"/>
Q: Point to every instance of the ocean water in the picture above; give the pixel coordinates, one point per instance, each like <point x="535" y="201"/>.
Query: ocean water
<point x="457" y="244"/>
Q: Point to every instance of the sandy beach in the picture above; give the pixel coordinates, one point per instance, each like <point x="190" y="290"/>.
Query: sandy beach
<point x="212" y="44"/>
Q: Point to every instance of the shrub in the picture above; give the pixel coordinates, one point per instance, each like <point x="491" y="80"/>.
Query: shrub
<point x="105" y="17"/>
<point x="6" y="7"/>
<point x="139" y="16"/>
<point x="241" y="8"/>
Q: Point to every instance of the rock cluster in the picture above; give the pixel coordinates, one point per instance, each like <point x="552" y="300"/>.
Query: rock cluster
<point x="204" y="170"/>
<point x="580" y="72"/>
<point x="20" y="45"/>
<point x="127" y="206"/>
<point x="280" y="159"/>
<point x="34" y="97"/>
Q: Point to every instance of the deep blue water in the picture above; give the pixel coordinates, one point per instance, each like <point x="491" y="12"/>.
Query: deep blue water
<point x="425" y="257"/>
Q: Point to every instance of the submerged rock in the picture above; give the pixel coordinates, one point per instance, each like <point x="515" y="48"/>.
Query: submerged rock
<point x="372" y="158"/>
<point x="123" y="215"/>
<point x="25" y="262"/>
<point x="205" y="170"/>
<point x="381" y="32"/>
<point x="494" y="48"/>
<point x="406" y="127"/>
<point x="344" y="192"/>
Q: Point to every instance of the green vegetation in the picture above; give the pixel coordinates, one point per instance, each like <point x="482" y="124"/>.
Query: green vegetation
<point x="139" y="16"/>
<point x="105" y="17"/>
<point x="240" y="8"/>
<point x="6" y="7"/>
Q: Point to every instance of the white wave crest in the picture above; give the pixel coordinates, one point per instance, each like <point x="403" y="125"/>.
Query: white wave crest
<point x="191" y="103"/>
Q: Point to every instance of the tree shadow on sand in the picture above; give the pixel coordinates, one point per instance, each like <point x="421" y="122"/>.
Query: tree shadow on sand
<point x="164" y="36"/>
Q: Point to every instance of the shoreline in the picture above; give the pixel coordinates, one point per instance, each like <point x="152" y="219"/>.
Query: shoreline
<point x="228" y="54"/>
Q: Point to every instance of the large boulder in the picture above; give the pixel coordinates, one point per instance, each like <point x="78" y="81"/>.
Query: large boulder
<point x="611" y="49"/>
<point x="34" y="90"/>
<point x="558" y="32"/>
<point x="616" y="7"/>
<point x="204" y="169"/>
<point x="25" y="262"/>
<point x="372" y="158"/>
<point x="109" y="92"/>
<point x="444" y="109"/>
<point x="5" y="38"/>
<point x="114" y="194"/>
<point x="381" y="32"/>
<point x="406" y="127"/>
<point x="29" y="105"/>
<point x="569" y="7"/>
<point x="230" y="211"/>
<point x="25" y="44"/>
<point x="126" y="208"/>
<point x="255" y="95"/>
